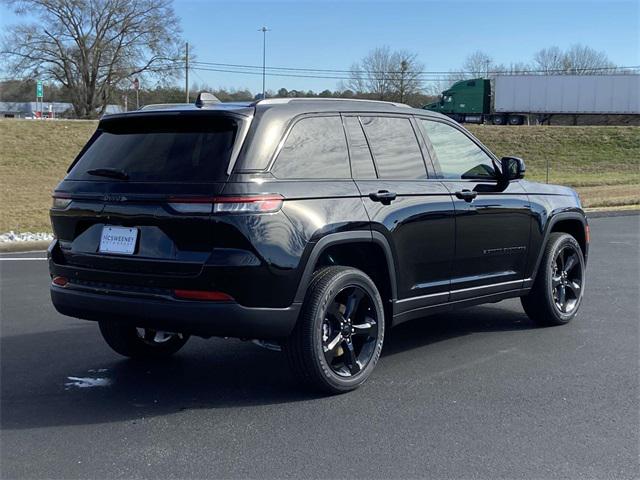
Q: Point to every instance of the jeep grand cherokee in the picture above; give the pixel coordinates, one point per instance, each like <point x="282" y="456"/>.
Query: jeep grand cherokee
<point x="314" y="224"/>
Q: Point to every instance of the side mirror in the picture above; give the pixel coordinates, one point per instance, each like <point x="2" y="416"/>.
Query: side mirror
<point x="512" y="168"/>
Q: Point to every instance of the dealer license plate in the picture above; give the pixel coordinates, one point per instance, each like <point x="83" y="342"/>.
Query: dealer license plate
<point x="118" y="240"/>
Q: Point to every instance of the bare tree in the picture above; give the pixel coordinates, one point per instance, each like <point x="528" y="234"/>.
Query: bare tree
<point x="406" y="74"/>
<point x="549" y="60"/>
<point x="478" y="64"/>
<point x="577" y="60"/>
<point x="385" y="74"/>
<point x="584" y="60"/>
<point x="92" y="46"/>
<point x="371" y="75"/>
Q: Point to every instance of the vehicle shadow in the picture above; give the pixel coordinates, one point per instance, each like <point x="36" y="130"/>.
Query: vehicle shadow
<point x="436" y="328"/>
<point x="38" y="372"/>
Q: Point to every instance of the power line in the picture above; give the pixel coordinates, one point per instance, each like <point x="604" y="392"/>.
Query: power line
<point x="422" y="72"/>
<point x="364" y="76"/>
<point x="336" y="74"/>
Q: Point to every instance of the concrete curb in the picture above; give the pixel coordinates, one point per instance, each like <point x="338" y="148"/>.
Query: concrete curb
<point x="612" y="213"/>
<point x="17" y="247"/>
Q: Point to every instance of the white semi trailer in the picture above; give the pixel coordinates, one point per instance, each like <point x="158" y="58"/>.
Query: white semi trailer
<point x="516" y="97"/>
<point x="567" y="94"/>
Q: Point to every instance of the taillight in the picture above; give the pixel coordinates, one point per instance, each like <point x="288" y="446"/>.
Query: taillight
<point x="211" y="296"/>
<point x="230" y="204"/>
<point x="60" y="201"/>
<point x="248" y="204"/>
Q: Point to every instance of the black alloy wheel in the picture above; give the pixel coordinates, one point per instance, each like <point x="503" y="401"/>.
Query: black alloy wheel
<point x="349" y="331"/>
<point x="566" y="279"/>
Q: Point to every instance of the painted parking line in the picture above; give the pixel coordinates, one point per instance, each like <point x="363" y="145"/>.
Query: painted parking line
<point x="15" y="256"/>
<point x="18" y="259"/>
<point x="27" y="252"/>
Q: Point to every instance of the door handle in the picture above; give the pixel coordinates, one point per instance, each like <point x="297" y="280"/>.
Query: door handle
<point x="466" y="195"/>
<point x="383" y="196"/>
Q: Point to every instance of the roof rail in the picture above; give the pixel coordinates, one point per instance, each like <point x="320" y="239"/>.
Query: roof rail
<point x="280" y="101"/>
<point x="158" y="106"/>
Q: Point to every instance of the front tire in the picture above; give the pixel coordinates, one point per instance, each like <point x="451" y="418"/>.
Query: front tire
<point x="141" y="343"/>
<point x="338" y="338"/>
<point x="558" y="288"/>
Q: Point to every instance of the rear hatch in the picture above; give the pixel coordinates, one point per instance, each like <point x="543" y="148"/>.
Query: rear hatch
<point x="135" y="199"/>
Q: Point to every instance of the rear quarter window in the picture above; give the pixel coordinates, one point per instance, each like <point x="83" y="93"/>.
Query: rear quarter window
<point x="160" y="149"/>
<point x="315" y="148"/>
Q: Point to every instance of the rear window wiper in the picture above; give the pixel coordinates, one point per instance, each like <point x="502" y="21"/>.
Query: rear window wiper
<point x="109" y="172"/>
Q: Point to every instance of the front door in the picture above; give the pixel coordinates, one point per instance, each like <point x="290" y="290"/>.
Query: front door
<point x="492" y="219"/>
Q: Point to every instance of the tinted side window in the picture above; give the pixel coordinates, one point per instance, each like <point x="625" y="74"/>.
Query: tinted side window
<point x="361" y="161"/>
<point x="315" y="148"/>
<point x="395" y="147"/>
<point x="458" y="155"/>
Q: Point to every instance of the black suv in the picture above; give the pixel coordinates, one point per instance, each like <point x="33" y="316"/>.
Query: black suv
<point x="311" y="224"/>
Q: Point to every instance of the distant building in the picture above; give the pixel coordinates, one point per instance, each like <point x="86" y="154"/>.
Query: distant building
<point x="51" y="109"/>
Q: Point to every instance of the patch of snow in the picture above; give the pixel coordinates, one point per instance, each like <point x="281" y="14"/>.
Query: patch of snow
<point x="87" y="382"/>
<point x="25" y="237"/>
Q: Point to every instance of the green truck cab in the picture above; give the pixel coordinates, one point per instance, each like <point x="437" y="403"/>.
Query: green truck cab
<point x="466" y="101"/>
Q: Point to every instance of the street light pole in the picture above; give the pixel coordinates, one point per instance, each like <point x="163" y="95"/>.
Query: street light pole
<point x="264" y="31"/>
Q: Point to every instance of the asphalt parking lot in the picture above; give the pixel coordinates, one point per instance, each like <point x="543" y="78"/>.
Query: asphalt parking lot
<point x="481" y="393"/>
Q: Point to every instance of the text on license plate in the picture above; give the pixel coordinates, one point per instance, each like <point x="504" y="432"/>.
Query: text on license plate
<point x="118" y="240"/>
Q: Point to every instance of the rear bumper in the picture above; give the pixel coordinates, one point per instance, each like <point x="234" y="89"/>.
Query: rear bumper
<point x="227" y="319"/>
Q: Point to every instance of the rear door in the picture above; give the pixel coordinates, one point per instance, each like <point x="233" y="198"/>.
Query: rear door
<point x="492" y="219"/>
<point x="412" y="212"/>
<point x="139" y="193"/>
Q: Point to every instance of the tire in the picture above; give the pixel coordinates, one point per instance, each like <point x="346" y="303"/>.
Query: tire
<point x="515" y="120"/>
<point x="562" y="269"/>
<point x="338" y="338"/>
<point x="498" y="120"/>
<point x="128" y="341"/>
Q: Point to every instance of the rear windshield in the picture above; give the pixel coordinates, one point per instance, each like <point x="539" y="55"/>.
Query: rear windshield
<point x="159" y="149"/>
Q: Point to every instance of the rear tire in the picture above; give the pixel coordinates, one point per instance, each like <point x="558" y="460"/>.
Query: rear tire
<point x="141" y="343"/>
<point x="558" y="289"/>
<point x="338" y="338"/>
<point x="499" y="120"/>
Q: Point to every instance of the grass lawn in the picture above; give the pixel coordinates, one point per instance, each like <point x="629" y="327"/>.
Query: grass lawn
<point x="603" y="163"/>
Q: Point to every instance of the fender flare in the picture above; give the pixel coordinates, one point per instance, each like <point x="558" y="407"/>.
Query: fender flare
<point x="341" y="238"/>
<point x="555" y="218"/>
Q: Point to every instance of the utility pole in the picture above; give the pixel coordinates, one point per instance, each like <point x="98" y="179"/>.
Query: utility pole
<point x="186" y="72"/>
<point x="136" y="86"/>
<point x="404" y="66"/>
<point x="264" y="31"/>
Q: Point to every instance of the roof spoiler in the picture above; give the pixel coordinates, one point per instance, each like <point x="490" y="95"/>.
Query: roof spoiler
<point x="206" y="98"/>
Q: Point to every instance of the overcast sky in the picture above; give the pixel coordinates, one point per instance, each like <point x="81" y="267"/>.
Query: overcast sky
<point x="331" y="35"/>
